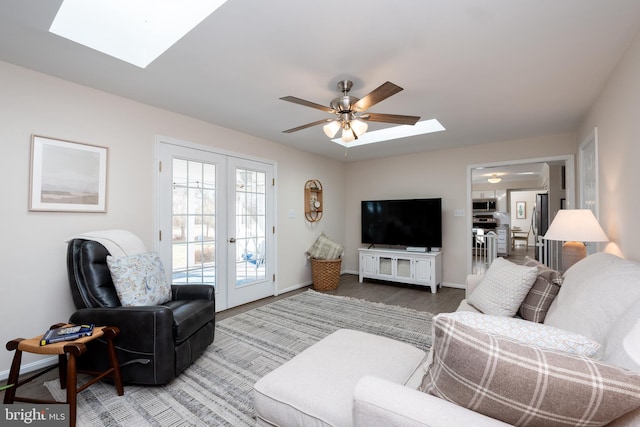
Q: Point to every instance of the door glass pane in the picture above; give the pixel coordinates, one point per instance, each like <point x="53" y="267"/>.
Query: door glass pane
<point x="250" y="226"/>
<point x="193" y="219"/>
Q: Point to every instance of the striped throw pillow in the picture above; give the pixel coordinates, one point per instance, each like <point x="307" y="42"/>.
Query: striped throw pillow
<point x="325" y="248"/>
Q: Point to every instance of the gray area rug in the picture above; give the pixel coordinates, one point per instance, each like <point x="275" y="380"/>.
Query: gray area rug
<point x="217" y="389"/>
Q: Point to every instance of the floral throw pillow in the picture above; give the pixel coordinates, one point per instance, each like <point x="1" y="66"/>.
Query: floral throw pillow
<point x="139" y="279"/>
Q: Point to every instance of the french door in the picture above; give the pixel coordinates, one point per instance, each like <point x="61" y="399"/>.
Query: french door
<point x="215" y="217"/>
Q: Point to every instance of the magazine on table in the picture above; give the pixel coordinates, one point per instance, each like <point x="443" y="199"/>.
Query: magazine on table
<point x="66" y="333"/>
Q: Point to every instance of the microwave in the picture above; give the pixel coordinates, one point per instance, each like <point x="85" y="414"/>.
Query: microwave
<point x="485" y="205"/>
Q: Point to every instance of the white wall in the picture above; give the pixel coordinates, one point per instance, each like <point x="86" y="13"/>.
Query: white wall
<point x="436" y="174"/>
<point x="35" y="292"/>
<point x="616" y="113"/>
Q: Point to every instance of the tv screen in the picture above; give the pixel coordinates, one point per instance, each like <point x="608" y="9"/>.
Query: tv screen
<point x="408" y="222"/>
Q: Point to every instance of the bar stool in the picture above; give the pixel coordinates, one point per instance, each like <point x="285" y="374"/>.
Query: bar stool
<point x="67" y="352"/>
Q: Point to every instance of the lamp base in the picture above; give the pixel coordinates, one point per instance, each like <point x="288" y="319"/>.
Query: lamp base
<point x="572" y="252"/>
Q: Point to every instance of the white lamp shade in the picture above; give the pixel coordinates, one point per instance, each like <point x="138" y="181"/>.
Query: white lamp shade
<point x="331" y="128"/>
<point x="575" y="225"/>
<point x="359" y="127"/>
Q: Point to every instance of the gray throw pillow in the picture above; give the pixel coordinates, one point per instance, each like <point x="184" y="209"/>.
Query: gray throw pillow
<point x="503" y="288"/>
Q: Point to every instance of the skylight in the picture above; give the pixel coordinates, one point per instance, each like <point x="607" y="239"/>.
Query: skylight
<point x="396" y="132"/>
<point x="135" y="31"/>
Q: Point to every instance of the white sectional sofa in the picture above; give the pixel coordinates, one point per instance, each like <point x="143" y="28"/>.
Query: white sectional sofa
<point x="351" y="378"/>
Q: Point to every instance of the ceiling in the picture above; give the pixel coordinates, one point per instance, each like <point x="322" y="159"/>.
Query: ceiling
<point x="490" y="70"/>
<point x="512" y="174"/>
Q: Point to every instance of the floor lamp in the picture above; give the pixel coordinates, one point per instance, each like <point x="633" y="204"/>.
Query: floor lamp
<point x="575" y="226"/>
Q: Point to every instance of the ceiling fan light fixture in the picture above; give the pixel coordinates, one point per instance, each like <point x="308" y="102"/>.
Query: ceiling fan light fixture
<point x="359" y="127"/>
<point x="347" y="134"/>
<point x="331" y="128"/>
<point x="494" y="179"/>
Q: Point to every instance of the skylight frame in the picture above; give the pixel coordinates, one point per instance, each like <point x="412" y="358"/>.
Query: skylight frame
<point x="134" y="31"/>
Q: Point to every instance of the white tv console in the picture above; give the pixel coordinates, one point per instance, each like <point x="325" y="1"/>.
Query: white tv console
<point x="398" y="265"/>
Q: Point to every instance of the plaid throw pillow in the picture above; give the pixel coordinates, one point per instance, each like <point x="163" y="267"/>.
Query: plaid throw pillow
<point x="525" y="385"/>
<point x="542" y="293"/>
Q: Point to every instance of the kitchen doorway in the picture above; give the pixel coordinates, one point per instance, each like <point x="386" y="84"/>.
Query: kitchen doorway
<point x="497" y="181"/>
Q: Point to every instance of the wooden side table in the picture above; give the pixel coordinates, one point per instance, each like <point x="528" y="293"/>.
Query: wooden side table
<point x="67" y="352"/>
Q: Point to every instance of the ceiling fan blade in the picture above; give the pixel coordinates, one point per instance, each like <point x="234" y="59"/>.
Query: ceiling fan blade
<point x="379" y="94"/>
<point x="308" y="125"/>
<point x="307" y="103"/>
<point x="391" y="118"/>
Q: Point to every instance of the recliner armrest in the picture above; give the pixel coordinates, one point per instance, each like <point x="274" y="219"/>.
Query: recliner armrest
<point x="190" y="292"/>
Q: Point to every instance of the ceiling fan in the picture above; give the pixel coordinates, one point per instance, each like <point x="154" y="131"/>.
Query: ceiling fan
<point x="349" y="111"/>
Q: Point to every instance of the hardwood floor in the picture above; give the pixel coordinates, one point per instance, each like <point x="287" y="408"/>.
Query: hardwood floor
<point x="415" y="297"/>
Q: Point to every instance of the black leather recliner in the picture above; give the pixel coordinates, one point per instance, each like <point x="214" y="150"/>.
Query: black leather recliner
<point x="156" y="343"/>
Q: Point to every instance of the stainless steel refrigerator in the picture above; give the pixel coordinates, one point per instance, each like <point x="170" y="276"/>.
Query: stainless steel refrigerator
<point x="540" y="218"/>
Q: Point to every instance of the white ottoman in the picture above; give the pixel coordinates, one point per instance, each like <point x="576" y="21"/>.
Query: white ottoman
<point x="315" y="388"/>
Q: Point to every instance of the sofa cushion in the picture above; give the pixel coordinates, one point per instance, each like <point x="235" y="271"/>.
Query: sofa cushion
<point x="544" y="290"/>
<point x="522" y="384"/>
<point x="139" y="279"/>
<point x="594" y="293"/>
<point x="612" y="350"/>
<point x="503" y="288"/>
<point x="526" y="332"/>
<point x="315" y="388"/>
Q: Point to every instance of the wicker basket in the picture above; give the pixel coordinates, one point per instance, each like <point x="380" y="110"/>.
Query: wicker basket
<point x="325" y="273"/>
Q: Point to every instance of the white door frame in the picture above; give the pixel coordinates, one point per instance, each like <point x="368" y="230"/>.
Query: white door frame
<point x="161" y="139"/>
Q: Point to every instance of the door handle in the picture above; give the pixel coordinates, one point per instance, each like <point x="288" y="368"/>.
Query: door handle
<point x="232" y="240"/>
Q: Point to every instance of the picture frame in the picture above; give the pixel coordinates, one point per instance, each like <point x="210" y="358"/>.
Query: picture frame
<point x="521" y="210"/>
<point x="67" y="176"/>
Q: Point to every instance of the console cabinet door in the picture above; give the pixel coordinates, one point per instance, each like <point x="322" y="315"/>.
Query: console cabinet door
<point x="385" y="267"/>
<point x="404" y="271"/>
<point x="424" y="269"/>
<point x="368" y="264"/>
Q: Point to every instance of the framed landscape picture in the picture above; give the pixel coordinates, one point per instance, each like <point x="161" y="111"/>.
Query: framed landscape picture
<point x="521" y="210"/>
<point x="67" y="176"/>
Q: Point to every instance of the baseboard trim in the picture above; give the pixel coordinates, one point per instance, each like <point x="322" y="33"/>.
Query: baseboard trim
<point x="292" y="288"/>
<point x="31" y="367"/>
<point x="454" y="285"/>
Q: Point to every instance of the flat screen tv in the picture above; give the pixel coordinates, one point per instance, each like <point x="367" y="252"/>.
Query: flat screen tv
<point x="407" y="222"/>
